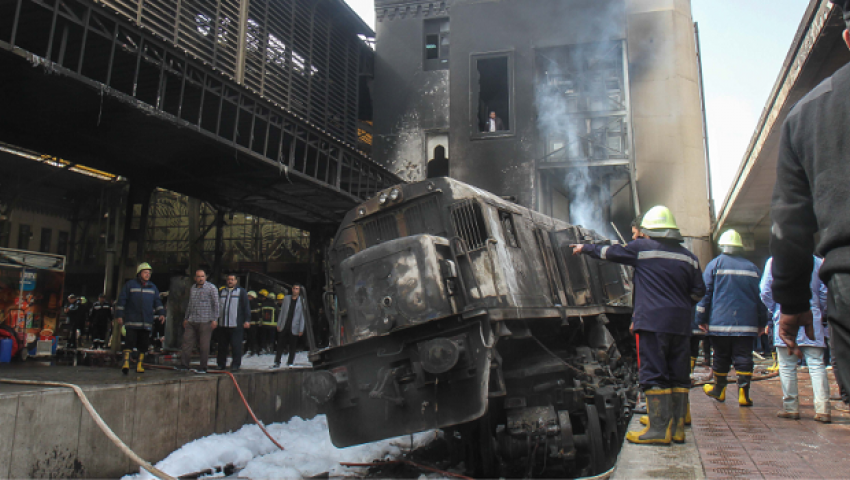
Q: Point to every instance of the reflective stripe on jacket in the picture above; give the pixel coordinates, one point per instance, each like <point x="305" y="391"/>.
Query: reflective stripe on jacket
<point x="138" y="304"/>
<point x="668" y="282"/>
<point x="731" y="306"/>
<point x="268" y="313"/>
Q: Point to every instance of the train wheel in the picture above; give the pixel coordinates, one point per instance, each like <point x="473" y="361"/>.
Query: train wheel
<point x="595" y="440"/>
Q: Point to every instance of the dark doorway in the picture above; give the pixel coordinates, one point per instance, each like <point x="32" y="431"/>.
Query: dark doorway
<point x="439" y="165"/>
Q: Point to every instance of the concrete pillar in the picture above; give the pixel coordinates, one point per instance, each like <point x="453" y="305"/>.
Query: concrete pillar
<point x="667" y="115"/>
<point x="195" y="243"/>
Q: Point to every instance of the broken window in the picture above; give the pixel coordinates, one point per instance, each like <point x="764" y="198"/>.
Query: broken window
<point x="491" y="91"/>
<point x="508" y="228"/>
<point x="436" y="44"/>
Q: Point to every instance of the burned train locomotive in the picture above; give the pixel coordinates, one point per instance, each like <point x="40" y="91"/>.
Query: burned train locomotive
<point x="455" y="309"/>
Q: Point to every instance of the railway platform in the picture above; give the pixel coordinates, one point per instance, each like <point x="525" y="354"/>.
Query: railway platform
<point x="728" y="441"/>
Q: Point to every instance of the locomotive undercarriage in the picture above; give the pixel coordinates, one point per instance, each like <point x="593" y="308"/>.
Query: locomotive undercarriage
<point x="540" y="409"/>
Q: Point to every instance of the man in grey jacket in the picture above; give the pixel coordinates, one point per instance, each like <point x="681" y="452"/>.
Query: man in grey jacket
<point x="294" y="316"/>
<point x="201" y="315"/>
<point x="235" y="318"/>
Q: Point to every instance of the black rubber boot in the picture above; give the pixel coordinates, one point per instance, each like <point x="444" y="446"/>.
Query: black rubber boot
<point x="660" y="413"/>
<point x="717" y="390"/>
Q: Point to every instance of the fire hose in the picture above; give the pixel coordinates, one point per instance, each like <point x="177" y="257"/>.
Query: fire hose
<point x="100" y="423"/>
<point x="244" y="400"/>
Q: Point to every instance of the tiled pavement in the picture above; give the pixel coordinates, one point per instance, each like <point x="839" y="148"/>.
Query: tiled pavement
<point x="736" y="442"/>
<point x="728" y="441"/>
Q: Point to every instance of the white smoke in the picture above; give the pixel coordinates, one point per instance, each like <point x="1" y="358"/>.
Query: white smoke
<point x="560" y="120"/>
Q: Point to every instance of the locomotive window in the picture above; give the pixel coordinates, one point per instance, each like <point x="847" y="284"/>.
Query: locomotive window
<point x="508" y="228"/>
<point x="468" y="223"/>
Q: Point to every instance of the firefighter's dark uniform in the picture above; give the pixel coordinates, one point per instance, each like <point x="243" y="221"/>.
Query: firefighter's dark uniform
<point x="254" y="331"/>
<point x="668" y="283"/>
<point x="100" y="318"/>
<point x="735" y="315"/>
<point x="268" y="324"/>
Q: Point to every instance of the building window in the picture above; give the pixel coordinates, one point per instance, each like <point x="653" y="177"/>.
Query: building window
<point x="62" y="243"/>
<point x="24" y="235"/>
<point x="492" y="100"/>
<point x="46" y="239"/>
<point x="436" y="44"/>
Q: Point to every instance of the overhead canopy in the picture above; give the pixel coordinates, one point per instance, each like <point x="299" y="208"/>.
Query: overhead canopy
<point x="815" y="54"/>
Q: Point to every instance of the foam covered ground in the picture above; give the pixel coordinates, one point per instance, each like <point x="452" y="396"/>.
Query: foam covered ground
<point x="308" y="451"/>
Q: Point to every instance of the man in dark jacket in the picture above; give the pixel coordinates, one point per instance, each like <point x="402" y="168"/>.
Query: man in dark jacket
<point x="668" y="283"/>
<point x="812" y="194"/>
<point x="235" y="317"/>
<point x="136" y="307"/>
<point x="100" y="317"/>
<point x="732" y="313"/>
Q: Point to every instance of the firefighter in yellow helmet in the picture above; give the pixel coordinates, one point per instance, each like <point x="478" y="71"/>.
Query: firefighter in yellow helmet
<point x="732" y="314"/>
<point x="668" y="283"/>
<point x="137" y="307"/>
<point x="268" y="321"/>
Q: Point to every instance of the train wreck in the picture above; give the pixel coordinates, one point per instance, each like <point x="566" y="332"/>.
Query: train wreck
<point x="455" y="309"/>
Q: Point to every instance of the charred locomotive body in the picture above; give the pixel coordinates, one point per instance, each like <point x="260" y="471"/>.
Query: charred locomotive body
<point x="455" y="309"/>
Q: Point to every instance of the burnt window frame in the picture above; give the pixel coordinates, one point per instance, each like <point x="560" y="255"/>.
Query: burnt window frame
<point x="508" y="226"/>
<point x="441" y="62"/>
<point x="474" y="234"/>
<point x="475" y="94"/>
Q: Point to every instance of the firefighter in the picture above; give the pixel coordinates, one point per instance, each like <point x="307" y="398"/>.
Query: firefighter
<point x="135" y="309"/>
<point x="100" y="318"/>
<point x="268" y="321"/>
<point x="668" y="283"/>
<point x="254" y="331"/>
<point x="731" y="313"/>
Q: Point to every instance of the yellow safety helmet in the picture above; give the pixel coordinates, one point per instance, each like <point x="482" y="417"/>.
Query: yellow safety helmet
<point x="280" y="296"/>
<point x="264" y="292"/>
<point x="731" y="238"/>
<point x="658" y="217"/>
<point x="659" y="222"/>
<point x="143" y="266"/>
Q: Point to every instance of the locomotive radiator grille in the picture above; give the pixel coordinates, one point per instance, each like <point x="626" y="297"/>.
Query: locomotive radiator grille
<point x="468" y="223"/>
<point x="380" y="230"/>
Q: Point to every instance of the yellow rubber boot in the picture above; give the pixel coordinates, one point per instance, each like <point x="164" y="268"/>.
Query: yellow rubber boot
<point x="680" y="408"/>
<point x="744" y="379"/>
<point x="775" y="366"/>
<point x="717" y="390"/>
<point x="125" y="369"/>
<point x="693" y="364"/>
<point x="139" y="367"/>
<point x="688" y="413"/>
<point x="660" y="414"/>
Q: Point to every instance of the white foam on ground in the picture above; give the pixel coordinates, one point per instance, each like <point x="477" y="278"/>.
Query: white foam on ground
<point x="308" y="451"/>
<point x="266" y="360"/>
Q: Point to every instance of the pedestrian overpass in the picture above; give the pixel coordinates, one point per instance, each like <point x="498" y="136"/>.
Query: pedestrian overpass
<point x="251" y="105"/>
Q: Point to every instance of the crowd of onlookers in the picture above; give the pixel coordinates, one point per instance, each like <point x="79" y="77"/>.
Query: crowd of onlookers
<point x="227" y="321"/>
